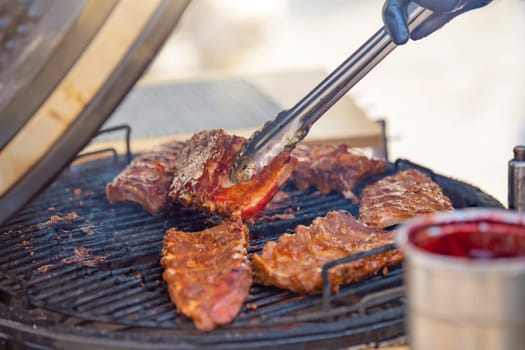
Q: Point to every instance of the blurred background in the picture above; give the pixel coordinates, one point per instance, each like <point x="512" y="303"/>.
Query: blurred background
<point x="454" y="102"/>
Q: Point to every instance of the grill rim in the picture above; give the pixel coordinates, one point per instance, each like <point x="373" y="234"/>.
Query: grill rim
<point x="64" y="336"/>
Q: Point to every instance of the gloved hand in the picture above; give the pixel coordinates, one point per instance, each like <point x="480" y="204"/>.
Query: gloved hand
<point x="395" y="16"/>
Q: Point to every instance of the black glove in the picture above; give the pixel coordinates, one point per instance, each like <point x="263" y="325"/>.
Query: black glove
<point x="395" y="16"/>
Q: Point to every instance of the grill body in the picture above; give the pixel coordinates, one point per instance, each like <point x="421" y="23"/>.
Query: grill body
<point x="75" y="271"/>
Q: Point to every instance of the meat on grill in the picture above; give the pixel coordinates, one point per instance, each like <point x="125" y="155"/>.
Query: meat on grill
<point x="203" y="176"/>
<point x="208" y="272"/>
<point x="146" y="180"/>
<point x="393" y="199"/>
<point x="333" y="168"/>
<point x="295" y="261"/>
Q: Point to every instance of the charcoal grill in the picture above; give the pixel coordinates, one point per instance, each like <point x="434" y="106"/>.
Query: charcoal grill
<point x="78" y="272"/>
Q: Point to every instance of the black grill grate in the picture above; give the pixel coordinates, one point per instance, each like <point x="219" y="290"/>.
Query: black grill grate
<point x="118" y="286"/>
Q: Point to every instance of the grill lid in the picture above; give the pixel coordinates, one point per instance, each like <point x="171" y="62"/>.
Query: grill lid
<point x="64" y="67"/>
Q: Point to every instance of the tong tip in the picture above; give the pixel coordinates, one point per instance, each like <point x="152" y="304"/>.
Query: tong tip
<point x="242" y="169"/>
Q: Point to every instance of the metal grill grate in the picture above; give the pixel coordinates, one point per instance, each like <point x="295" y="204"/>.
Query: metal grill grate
<point x="84" y="263"/>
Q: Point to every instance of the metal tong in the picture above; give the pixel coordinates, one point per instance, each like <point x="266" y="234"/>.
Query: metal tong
<point x="291" y="126"/>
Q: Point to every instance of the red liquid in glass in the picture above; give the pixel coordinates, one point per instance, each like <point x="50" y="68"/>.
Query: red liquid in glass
<point x="465" y="240"/>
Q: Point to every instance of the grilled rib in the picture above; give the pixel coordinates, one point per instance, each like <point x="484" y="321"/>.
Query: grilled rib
<point x="333" y="168"/>
<point x="146" y="180"/>
<point x="393" y="199"/>
<point x="203" y="176"/>
<point x="208" y="272"/>
<point x="295" y="261"/>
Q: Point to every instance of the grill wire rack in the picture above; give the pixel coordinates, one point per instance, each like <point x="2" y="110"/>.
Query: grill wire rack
<point x="75" y="270"/>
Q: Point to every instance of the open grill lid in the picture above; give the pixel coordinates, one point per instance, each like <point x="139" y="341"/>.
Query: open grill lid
<point x="64" y="67"/>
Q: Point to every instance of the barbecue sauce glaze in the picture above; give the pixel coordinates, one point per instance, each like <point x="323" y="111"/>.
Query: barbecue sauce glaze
<point x="472" y="240"/>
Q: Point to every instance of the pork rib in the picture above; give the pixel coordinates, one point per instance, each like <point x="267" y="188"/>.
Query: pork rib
<point x="203" y="176"/>
<point x="146" y="180"/>
<point x="333" y="168"/>
<point x="208" y="272"/>
<point x="393" y="199"/>
<point x="295" y="261"/>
